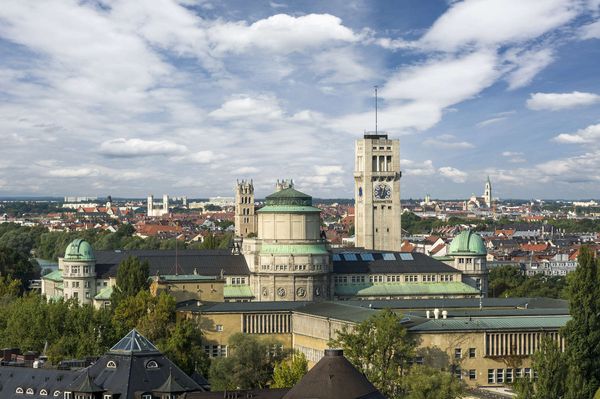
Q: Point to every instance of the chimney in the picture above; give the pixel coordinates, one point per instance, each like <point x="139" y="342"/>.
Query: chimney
<point x="334" y="352"/>
<point x="436" y="313"/>
<point x="444" y="314"/>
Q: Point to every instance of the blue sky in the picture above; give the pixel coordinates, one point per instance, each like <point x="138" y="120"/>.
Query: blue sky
<point x="184" y="97"/>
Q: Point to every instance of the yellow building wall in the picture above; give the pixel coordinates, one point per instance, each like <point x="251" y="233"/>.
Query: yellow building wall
<point x="203" y="291"/>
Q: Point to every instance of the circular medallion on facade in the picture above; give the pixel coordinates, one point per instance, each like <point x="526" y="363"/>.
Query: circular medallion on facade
<point x="281" y="291"/>
<point x="301" y="292"/>
<point x="265" y="291"/>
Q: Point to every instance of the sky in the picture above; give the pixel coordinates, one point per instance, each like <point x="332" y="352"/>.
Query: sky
<point x="185" y="97"/>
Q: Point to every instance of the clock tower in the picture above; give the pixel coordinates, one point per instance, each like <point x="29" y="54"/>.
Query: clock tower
<point x="377" y="193"/>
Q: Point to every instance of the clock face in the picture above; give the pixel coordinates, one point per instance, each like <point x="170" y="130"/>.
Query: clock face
<point x="382" y="191"/>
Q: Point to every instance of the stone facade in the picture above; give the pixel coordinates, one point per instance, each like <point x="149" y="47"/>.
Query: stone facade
<point x="289" y="260"/>
<point x="245" y="215"/>
<point x="377" y="193"/>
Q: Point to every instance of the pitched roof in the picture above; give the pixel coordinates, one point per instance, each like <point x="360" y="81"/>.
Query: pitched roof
<point x="334" y="377"/>
<point x="134" y="342"/>
<point x="349" y="262"/>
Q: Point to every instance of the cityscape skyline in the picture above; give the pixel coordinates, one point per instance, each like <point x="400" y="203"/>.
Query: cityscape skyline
<point x="184" y="98"/>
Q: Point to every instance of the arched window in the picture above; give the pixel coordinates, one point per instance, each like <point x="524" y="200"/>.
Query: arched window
<point x="43" y="392"/>
<point x="111" y="365"/>
<point x="29" y="391"/>
<point x="152" y="364"/>
<point x="56" y="393"/>
<point x="19" y="390"/>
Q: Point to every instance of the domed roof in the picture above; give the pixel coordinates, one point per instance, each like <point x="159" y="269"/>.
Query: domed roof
<point x="289" y="196"/>
<point x="467" y="243"/>
<point x="79" y="249"/>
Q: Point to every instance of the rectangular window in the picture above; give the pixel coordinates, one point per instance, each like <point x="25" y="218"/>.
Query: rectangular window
<point x="457" y="353"/>
<point x="472" y="352"/>
<point x="219" y="327"/>
<point x="499" y="376"/>
<point x="527" y="373"/>
<point x="87" y="295"/>
<point x="518" y="373"/>
<point x="472" y="374"/>
<point x="509" y="376"/>
<point x="458" y="373"/>
<point x="490" y="376"/>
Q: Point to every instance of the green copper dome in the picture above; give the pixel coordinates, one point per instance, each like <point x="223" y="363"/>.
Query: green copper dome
<point x="467" y="243"/>
<point x="79" y="250"/>
<point x="288" y="200"/>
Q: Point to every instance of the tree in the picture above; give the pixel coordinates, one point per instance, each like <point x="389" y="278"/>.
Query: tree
<point x="249" y="365"/>
<point x="9" y="287"/>
<point x="152" y="316"/>
<point x="504" y="278"/>
<point x="551" y="369"/>
<point x="423" y="382"/>
<point x="17" y="265"/>
<point x="184" y="347"/>
<point x="132" y="277"/>
<point x="290" y="370"/>
<point x="582" y="332"/>
<point x="381" y="349"/>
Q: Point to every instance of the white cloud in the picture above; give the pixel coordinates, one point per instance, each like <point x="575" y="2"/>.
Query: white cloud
<point x="447" y="141"/>
<point x="412" y="168"/>
<point x="245" y="106"/>
<point x="326" y="170"/>
<point x="201" y="157"/>
<point x="590" y="31"/>
<point x="453" y="174"/>
<point x="494" y="22"/>
<point x="528" y="64"/>
<point x="280" y="33"/>
<point x="557" y="101"/>
<point x="341" y="65"/>
<point x="245" y="170"/>
<point x="123" y="147"/>
<point x="445" y="81"/>
<point x="514" y="156"/>
<point x="588" y="135"/>
<point x="74" y="172"/>
<point x="490" y="121"/>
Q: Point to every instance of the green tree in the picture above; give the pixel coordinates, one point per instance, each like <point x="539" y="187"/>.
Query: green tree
<point x="381" y="348"/>
<point x="423" y="382"/>
<point x="249" y="364"/>
<point x="152" y="316"/>
<point x="184" y="347"/>
<point x="9" y="287"/>
<point x="503" y="279"/>
<point x="549" y="362"/>
<point x="16" y="264"/>
<point x="582" y="332"/>
<point x="290" y="370"/>
<point x="132" y="277"/>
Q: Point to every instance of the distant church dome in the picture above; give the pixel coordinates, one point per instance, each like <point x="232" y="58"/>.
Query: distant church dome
<point x="80" y="250"/>
<point x="467" y="243"/>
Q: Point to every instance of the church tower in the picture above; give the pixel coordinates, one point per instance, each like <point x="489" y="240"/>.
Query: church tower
<point x="245" y="216"/>
<point x="487" y="193"/>
<point x="377" y="193"/>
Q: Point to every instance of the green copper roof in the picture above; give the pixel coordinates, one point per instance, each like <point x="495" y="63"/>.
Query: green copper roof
<point x="104" y="294"/>
<point x="79" y="250"/>
<point x="319" y="249"/>
<point x="467" y="243"/>
<point x="399" y="289"/>
<point x="493" y="323"/>
<point x="237" y="291"/>
<point x="54" y="276"/>
<point x="287" y="209"/>
<point x="289" y="196"/>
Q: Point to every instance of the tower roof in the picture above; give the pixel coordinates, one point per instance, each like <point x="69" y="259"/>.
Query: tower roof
<point x="334" y="377"/>
<point x="85" y="384"/>
<point x="170" y="386"/>
<point x="133" y="342"/>
<point x="289" y="196"/>
<point x="79" y="250"/>
<point x="467" y="243"/>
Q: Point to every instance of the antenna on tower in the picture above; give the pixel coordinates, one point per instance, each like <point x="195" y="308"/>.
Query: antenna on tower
<point x="376" y="87"/>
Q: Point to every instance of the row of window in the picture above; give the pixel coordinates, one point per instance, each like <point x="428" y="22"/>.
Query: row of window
<point x="518" y="344"/>
<point x="31" y="391"/>
<point x="501" y="376"/>
<point x="76" y="269"/>
<point x="285" y="267"/>
<point x="471" y="353"/>
<point x="236" y="280"/>
<point x="379" y="278"/>
<point x="278" y="323"/>
<point x="76" y="295"/>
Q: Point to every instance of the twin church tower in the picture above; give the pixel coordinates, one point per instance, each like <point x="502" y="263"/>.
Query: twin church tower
<point x="377" y="211"/>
